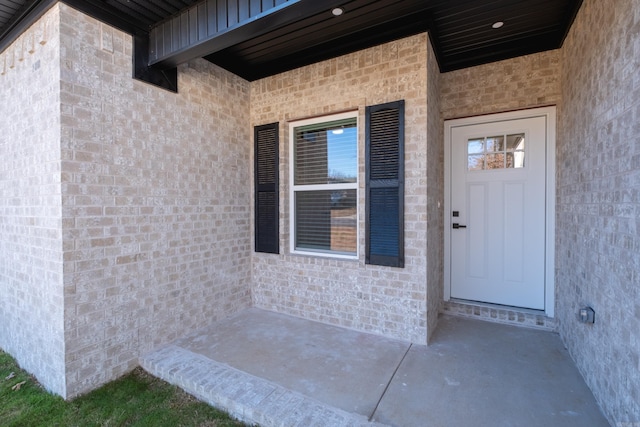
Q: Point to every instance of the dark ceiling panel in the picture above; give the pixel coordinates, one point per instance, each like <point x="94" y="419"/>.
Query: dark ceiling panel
<point x="150" y="12"/>
<point x="323" y="28"/>
<point x="460" y="30"/>
<point x="10" y="11"/>
<point x="465" y="36"/>
<point x="364" y="23"/>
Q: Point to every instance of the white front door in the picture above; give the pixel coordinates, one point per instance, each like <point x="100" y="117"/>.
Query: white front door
<point x="497" y="211"/>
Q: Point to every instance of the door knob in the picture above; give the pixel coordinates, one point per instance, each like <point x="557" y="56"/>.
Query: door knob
<point x="456" y="225"/>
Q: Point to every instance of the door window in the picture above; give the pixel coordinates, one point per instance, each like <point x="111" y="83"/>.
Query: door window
<point x="496" y="152"/>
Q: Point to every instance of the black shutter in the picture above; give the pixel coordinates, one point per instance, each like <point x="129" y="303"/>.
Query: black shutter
<point x="266" y="186"/>
<point x="385" y="184"/>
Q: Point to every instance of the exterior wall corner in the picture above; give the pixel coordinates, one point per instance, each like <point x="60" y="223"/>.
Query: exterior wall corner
<point x="31" y="244"/>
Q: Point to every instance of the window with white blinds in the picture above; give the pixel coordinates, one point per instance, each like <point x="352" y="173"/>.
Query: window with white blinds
<point x="324" y="194"/>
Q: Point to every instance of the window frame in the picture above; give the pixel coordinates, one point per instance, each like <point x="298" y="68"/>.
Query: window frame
<point x="293" y="189"/>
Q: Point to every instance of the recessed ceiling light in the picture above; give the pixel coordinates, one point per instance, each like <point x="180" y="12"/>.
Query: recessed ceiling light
<point x="337" y="11"/>
<point x="497" y="24"/>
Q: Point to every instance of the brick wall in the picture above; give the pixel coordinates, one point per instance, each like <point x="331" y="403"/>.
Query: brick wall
<point x="155" y="201"/>
<point x="598" y="233"/>
<point x="523" y="82"/>
<point x="382" y="300"/>
<point x="435" y="194"/>
<point x="31" y="293"/>
<point x="119" y="232"/>
<point x="121" y="182"/>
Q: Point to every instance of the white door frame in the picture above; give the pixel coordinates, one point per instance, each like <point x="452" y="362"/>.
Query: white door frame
<point x="549" y="113"/>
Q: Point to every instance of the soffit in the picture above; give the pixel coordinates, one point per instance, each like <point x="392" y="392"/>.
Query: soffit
<point x="461" y="30"/>
<point x="10" y="11"/>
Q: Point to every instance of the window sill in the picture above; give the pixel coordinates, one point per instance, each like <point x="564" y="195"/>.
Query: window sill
<point x="327" y="255"/>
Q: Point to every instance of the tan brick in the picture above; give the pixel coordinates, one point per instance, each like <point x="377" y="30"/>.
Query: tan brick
<point x="326" y="289"/>
<point x="31" y="283"/>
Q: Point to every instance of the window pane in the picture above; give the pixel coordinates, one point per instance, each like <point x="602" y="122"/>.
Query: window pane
<point x="515" y="142"/>
<point x="326" y="221"/>
<point x="475" y="146"/>
<point x="476" y="162"/>
<point x="495" y="143"/>
<point x="495" y="161"/>
<point x="515" y="160"/>
<point x="326" y="153"/>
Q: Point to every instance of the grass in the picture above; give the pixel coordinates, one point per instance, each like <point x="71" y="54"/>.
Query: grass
<point x="137" y="399"/>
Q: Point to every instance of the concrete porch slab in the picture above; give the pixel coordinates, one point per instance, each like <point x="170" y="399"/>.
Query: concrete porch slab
<point x="487" y="374"/>
<point x="277" y="370"/>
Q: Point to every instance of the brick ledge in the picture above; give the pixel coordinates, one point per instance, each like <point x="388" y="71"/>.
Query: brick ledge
<point x="499" y="314"/>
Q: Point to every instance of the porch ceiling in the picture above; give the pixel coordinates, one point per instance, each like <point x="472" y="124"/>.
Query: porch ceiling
<point x="298" y="33"/>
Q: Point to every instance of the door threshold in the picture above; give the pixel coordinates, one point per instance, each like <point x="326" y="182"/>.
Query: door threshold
<point x="527" y="318"/>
